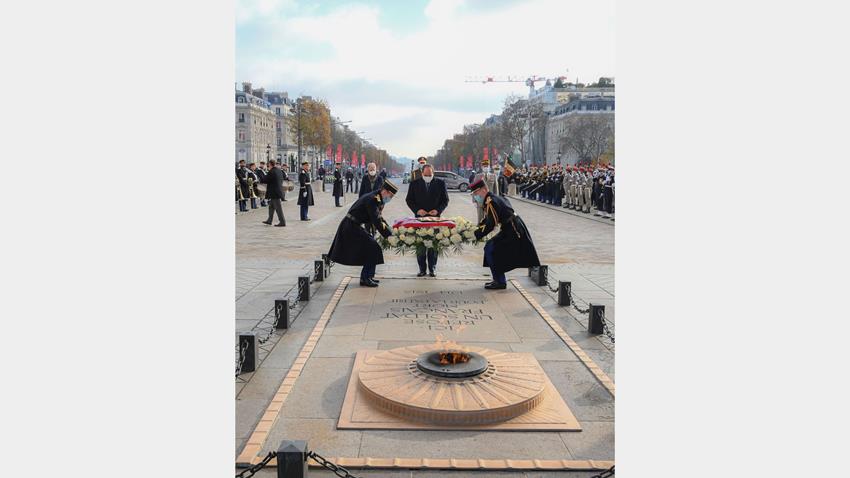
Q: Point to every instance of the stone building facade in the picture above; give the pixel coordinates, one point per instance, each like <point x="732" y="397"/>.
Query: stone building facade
<point x="556" y="126"/>
<point x="256" y="137"/>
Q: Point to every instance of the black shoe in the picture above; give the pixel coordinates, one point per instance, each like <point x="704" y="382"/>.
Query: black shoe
<point x="368" y="283"/>
<point x="374" y="280"/>
<point x="421" y="274"/>
<point x="283" y="224"/>
<point x="431" y="274"/>
<point x="267" y="222"/>
<point x="495" y="285"/>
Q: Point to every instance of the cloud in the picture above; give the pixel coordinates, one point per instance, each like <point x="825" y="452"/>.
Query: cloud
<point x="416" y="77"/>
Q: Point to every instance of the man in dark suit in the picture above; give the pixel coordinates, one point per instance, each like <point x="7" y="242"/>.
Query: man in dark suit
<point x="372" y="181"/>
<point x="427" y="196"/>
<point x="305" y="190"/>
<point x="274" y="193"/>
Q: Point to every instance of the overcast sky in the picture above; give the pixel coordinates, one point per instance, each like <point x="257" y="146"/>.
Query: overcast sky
<point x="396" y="69"/>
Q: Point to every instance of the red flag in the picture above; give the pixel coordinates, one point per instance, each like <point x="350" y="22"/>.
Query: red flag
<point x="362" y="160"/>
<point x="460" y="162"/>
<point x="468" y="161"/>
<point x="329" y="152"/>
<point x="486" y="160"/>
<point x="339" y="153"/>
<point x="495" y="155"/>
<point x="353" y="158"/>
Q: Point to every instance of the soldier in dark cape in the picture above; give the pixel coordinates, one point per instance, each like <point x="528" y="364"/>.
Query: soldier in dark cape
<point x="512" y="247"/>
<point x="305" y="190"/>
<point x="353" y="245"/>
<point x="337" y="192"/>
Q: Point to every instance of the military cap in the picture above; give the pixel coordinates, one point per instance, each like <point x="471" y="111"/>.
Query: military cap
<point x="389" y="186"/>
<point x="476" y="185"/>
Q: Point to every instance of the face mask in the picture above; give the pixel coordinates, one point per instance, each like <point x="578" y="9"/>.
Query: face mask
<point x="387" y="199"/>
<point x="372" y="173"/>
<point x="427" y="179"/>
<point x="478" y="199"/>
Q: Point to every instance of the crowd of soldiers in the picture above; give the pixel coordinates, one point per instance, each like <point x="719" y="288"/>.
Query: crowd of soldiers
<point x="250" y="185"/>
<point x="581" y="188"/>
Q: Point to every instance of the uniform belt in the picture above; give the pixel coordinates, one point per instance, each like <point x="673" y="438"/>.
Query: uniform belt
<point x="353" y="219"/>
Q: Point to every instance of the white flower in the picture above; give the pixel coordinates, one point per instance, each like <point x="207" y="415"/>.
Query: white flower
<point x="469" y="235"/>
<point x="455" y="238"/>
<point x="439" y="236"/>
<point x="428" y="231"/>
<point x="444" y="242"/>
<point x="393" y="240"/>
<point x="428" y="244"/>
<point x="420" y="231"/>
<point x="402" y="237"/>
<point x="409" y="240"/>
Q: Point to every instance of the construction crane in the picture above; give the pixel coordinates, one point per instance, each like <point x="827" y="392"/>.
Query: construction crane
<point x="529" y="81"/>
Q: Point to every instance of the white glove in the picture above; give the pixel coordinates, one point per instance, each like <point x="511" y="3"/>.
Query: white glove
<point x="305" y="193"/>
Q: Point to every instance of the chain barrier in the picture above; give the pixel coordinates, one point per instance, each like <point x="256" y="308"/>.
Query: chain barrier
<point x="259" y="466"/>
<point x="605" y="474"/>
<point x="271" y="330"/>
<point x="336" y="469"/>
<point x="605" y="328"/>
<point x="241" y="360"/>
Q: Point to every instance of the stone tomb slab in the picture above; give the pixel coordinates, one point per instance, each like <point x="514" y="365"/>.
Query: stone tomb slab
<point x="552" y="414"/>
<point x="457" y="310"/>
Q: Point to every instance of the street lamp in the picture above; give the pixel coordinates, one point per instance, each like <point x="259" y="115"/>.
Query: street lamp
<point x="559" y="157"/>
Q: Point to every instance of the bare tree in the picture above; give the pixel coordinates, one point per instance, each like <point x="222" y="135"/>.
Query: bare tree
<point x="589" y="136"/>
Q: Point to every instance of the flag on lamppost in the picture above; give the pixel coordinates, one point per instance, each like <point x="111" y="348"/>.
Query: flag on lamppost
<point x="353" y="158"/>
<point x="362" y="160"/>
<point x="495" y="156"/>
<point x="338" y="153"/>
<point x="468" y="161"/>
<point x="329" y="152"/>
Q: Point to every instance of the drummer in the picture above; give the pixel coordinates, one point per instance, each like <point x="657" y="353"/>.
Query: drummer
<point x="352" y="245"/>
<point x="512" y="247"/>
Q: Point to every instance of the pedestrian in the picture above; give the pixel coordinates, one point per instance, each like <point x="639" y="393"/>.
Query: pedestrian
<point x="337" y="191"/>
<point x="384" y="173"/>
<point x="427" y="197"/>
<point x="254" y="182"/>
<point x="242" y="176"/>
<point x="352" y="245"/>
<point x="349" y="181"/>
<point x="512" y="247"/>
<point x="305" y="190"/>
<point x="274" y="193"/>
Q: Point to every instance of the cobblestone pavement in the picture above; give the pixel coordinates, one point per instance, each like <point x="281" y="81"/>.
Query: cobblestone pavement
<point x="270" y="259"/>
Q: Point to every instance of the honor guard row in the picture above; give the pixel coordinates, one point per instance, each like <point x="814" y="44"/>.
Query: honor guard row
<point x="572" y="187"/>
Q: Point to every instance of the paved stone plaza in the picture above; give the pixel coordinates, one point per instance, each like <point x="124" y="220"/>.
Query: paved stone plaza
<point x="269" y="260"/>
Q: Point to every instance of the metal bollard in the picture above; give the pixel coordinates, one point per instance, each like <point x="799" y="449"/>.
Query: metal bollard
<point x="281" y="313"/>
<point x="564" y="291"/>
<point x="542" y="275"/>
<point x="327" y="261"/>
<point x="319" y="267"/>
<point x="292" y="459"/>
<point x="531" y="271"/>
<point x="304" y="288"/>
<point x="252" y="351"/>
<point x="596" y="321"/>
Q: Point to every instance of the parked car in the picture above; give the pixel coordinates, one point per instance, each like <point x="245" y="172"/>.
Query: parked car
<point x="453" y="181"/>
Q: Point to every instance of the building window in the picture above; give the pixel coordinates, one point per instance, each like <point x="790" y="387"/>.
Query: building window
<point x="241" y="117"/>
<point x="278" y="142"/>
<point x="241" y="136"/>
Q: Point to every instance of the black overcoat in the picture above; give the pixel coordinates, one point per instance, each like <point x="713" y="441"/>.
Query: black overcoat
<point x="370" y="183"/>
<point x="338" y="192"/>
<point x="274" y="183"/>
<point x="352" y="245"/>
<point x="512" y="246"/>
<point x="305" y="187"/>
